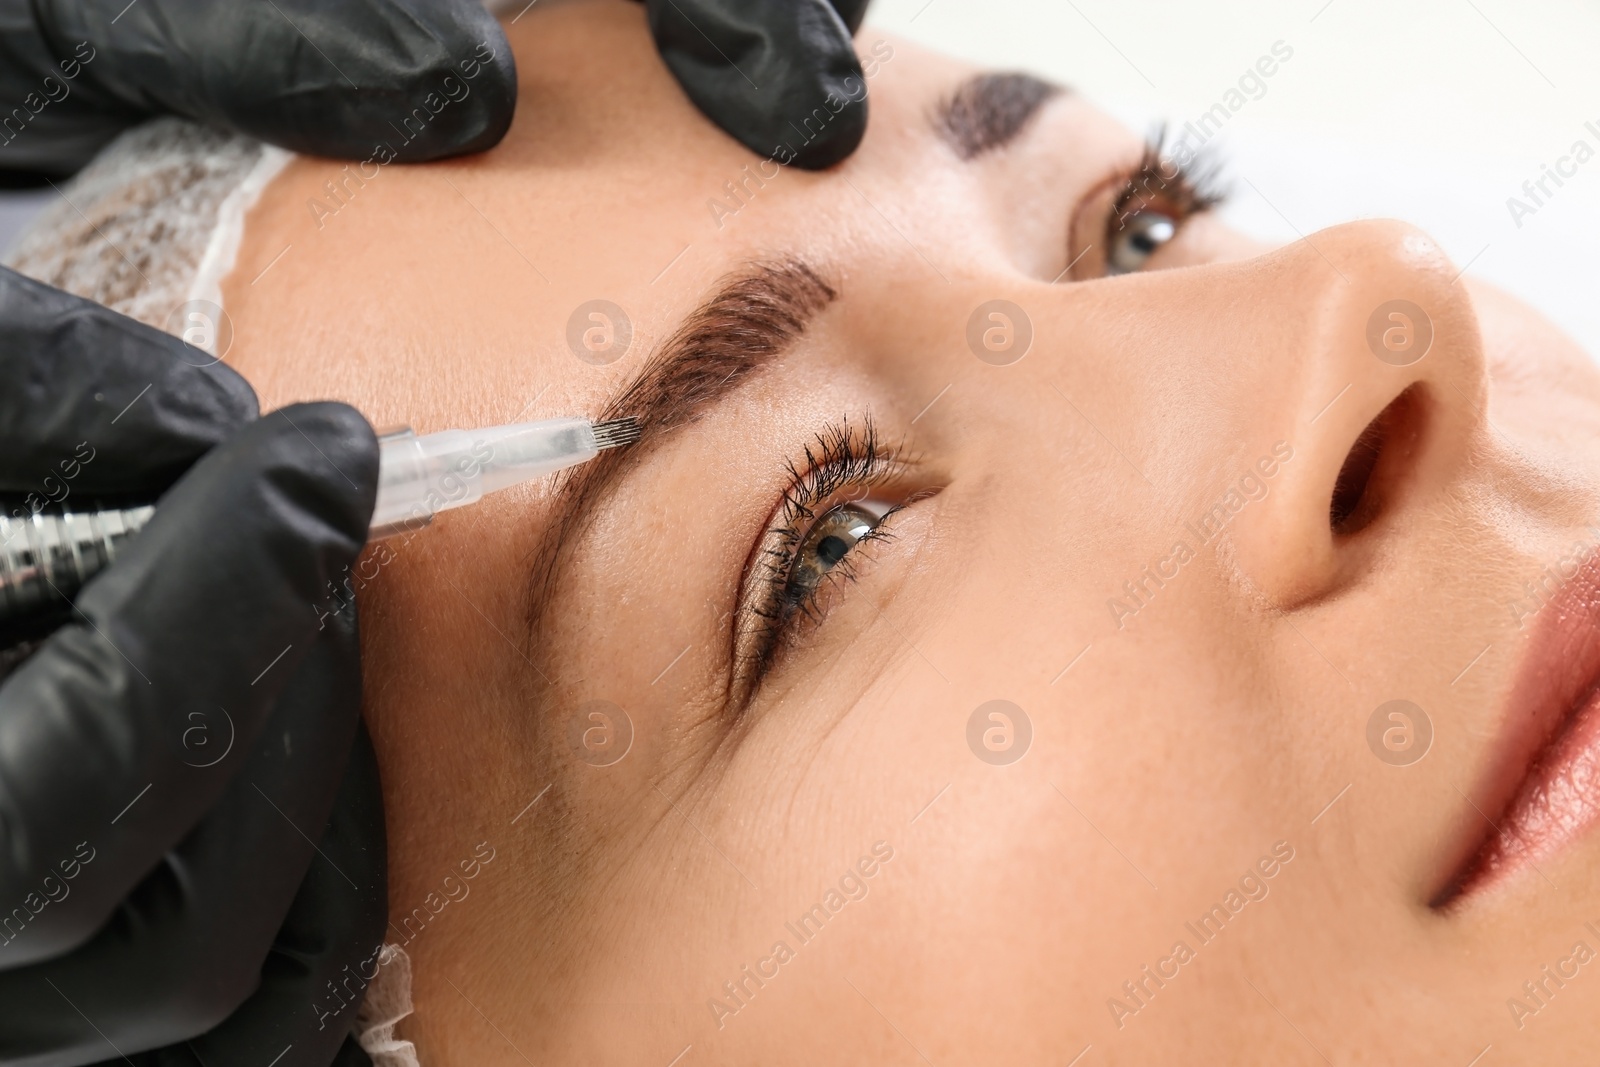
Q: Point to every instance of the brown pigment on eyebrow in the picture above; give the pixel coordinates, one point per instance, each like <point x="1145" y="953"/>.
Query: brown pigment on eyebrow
<point x="753" y="316"/>
<point x="991" y="109"/>
<point x="756" y="314"/>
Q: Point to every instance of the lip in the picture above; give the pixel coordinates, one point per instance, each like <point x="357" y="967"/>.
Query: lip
<point x="1543" y="791"/>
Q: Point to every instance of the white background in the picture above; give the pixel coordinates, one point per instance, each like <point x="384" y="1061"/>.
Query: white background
<point x="1434" y="111"/>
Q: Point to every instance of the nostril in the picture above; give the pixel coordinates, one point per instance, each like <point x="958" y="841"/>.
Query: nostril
<point x="1375" y="463"/>
<point x="1345" y="513"/>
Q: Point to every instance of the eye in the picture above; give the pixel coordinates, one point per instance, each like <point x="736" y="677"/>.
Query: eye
<point x="1139" y="211"/>
<point x="1140" y="237"/>
<point x="825" y="546"/>
<point x="846" y="491"/>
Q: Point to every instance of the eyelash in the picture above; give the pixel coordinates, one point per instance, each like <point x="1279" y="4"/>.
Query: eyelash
<point x="1186" y="189"/>
<point x="1180" y="190"/>
<point x="844" y="463"/>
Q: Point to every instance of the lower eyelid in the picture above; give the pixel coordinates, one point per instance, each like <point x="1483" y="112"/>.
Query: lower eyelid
<point x="845" y="573"/>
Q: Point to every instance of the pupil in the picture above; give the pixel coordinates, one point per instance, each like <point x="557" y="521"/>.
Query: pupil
<point x="831" y="550"/>
<point x="1143" y="242"/>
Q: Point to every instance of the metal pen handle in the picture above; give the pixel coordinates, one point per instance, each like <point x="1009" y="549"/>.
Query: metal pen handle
<point x="46" y="558"/>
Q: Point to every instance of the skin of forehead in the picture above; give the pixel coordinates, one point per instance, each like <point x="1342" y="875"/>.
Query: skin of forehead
<point x="439" y="295"/>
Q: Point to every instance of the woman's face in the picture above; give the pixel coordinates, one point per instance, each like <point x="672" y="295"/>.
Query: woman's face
<point x="1007" y="646"/>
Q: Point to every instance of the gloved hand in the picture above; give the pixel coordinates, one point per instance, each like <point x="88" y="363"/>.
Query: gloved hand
<point x="761" y="69"/>
<point x="327" y="77"/>
<point x="170" y="758"/>
<point x="141" y="887"/>
<point x="126" y="930"/>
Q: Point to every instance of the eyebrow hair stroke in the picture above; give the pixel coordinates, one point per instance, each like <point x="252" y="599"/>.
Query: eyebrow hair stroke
<point x="988" y="111"/>
<point x="754" y="317"/>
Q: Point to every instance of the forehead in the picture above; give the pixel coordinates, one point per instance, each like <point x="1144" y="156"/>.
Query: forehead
<point x="477" y="291"/>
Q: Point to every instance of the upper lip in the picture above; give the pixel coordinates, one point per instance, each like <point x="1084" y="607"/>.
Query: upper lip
<point x="1551" y="693"/>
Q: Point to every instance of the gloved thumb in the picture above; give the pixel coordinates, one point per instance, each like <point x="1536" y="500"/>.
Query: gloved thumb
<point x="781" y="78"/>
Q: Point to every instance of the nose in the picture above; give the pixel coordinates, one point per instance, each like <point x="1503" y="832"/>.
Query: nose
<point x="1293" y="408"/>
<point x="1381" y="395"/>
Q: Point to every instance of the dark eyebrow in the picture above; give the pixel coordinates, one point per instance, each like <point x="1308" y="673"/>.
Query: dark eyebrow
<point x="754" y="316"/>
<point x="988" y="111"/>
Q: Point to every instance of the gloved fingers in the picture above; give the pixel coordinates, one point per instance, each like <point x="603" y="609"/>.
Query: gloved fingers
<point x="782" y="78"/>
<point x="196" y="628"/>
<point x="324" y="956"/>
<point x="326" y="952"/>
<point x="851" y="12"/>
<point x="98" y="403"/>
<point x="428" y="78"/>
<point x="195" y="939"/>
<point x="38" y="82"/>
<point x="351" y="1054"/>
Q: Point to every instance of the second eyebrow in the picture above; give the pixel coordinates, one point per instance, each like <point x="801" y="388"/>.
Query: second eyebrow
<point x="988" y="111"/>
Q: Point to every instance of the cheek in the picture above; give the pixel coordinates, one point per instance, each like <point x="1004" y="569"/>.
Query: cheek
<point x="1545" y="388"/>
<point x="1525" y="347"/>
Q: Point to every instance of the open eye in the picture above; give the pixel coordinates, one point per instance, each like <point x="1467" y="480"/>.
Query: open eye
<point x="826" y="544"/>
<point x="1138" y="212"/>
<point x="845" y="493"/>
<point x="1140" y="236"/>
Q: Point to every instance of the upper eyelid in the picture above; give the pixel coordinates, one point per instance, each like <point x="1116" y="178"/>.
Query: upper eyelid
<point x="1189" y="187"/>
<point x="853" y="452"/>
<point x="885" y="467"/>
<point x="1194" y="183"/>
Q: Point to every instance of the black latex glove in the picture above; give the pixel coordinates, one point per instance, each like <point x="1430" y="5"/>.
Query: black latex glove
<point x="326" y="77"/>
<point x="332" y="77"/>
<point x="761" y="69"/>
<point x="169" y="756"/>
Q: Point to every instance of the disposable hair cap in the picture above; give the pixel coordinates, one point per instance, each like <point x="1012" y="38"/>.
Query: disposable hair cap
<point x="153" y="223"/>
